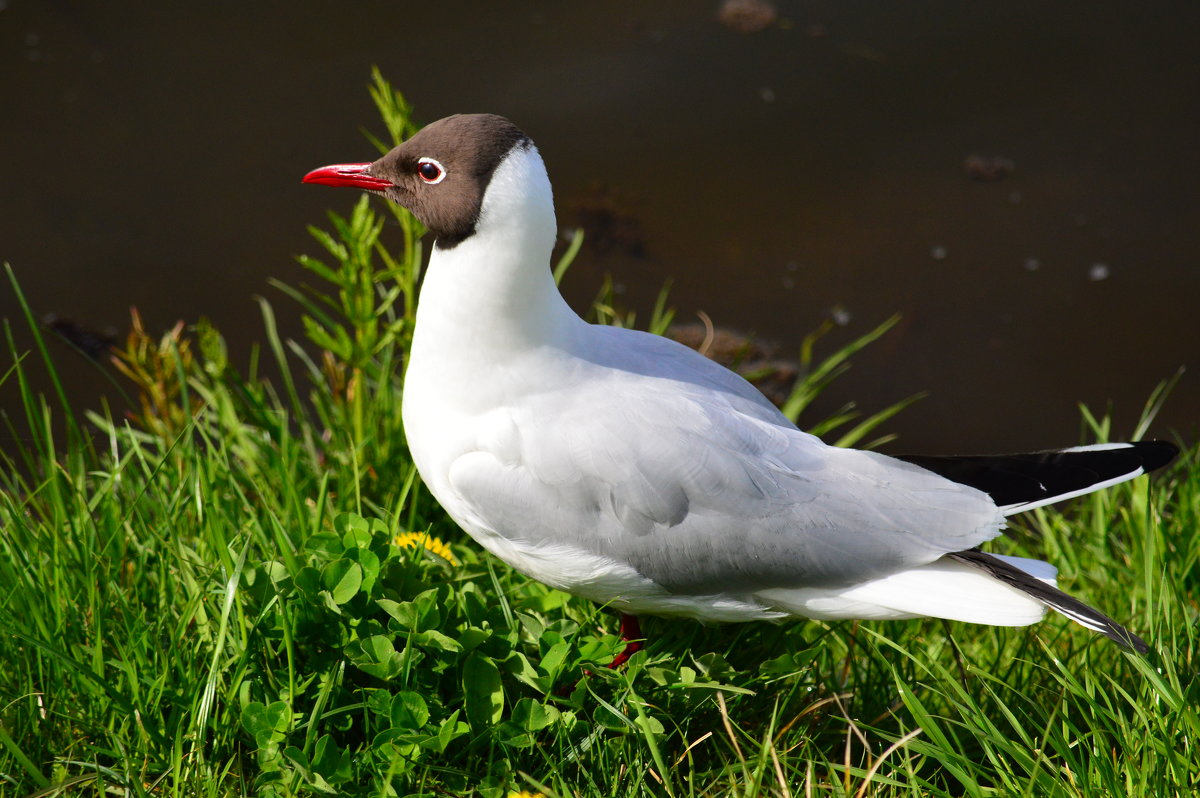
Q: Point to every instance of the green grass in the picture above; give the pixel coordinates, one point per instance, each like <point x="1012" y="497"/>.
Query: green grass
<point x="205" y="598"/>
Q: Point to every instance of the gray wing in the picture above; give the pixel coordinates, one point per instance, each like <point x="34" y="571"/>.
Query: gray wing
<point x="674" y="465"/>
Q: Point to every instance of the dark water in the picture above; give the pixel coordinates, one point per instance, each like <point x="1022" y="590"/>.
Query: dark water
<point x="151" y="156"/>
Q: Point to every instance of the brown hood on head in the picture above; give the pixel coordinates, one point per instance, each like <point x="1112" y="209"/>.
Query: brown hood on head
<point x="440" y="174"/>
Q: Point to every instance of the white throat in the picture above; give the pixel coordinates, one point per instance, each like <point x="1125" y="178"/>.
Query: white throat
<point x="491" y="300"/>
<point x="495" y="287"/>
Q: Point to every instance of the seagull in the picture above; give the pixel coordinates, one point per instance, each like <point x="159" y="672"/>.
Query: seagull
<point x="628" y="469"/>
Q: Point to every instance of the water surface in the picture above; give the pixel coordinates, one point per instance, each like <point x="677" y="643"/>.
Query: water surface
<point x="152" y="156"/>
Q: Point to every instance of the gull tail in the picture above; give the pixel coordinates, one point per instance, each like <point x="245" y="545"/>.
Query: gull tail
<point x="1020" y="482"/>
<point x="1045" y="592"/>
<point x="968" y="586"/>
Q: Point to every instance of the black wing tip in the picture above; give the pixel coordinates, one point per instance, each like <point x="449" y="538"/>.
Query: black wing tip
<point x="1055" y="599"/>
<point x="1155" y="454"/>
<point x="1049" y="475"/>
<point x="1127" y="639"/>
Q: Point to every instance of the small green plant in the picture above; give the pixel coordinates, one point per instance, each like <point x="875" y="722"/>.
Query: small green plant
<point x="159" y="370"/>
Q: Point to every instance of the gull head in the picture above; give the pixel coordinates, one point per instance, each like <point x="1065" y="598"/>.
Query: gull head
<point x="441" y="174"/>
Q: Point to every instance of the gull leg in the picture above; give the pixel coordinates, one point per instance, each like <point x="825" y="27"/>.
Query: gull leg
<point x="631" y="633"/>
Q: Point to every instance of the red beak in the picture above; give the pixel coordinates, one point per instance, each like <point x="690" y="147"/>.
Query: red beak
<point x="347" y="174"/>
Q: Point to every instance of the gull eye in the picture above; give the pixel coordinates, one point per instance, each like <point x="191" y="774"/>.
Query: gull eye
<point x="430" y="171"/>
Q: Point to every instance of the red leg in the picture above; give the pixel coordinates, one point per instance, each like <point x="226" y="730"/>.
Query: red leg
<point x="631" y="633"/>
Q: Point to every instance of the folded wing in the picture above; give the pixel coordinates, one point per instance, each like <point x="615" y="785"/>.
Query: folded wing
<point x="705" y="489"/>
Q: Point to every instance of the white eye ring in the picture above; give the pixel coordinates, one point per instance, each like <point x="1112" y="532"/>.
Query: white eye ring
<point x="441" y="171"/>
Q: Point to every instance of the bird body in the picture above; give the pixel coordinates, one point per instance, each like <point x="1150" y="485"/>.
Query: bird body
<point x="628" y="469"/>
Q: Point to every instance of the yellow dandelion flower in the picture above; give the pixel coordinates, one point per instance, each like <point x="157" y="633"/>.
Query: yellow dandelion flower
<point x="411" y="540"/>
<point x="524" y="794"/>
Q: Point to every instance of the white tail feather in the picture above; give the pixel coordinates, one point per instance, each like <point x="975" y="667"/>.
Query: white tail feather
<point x="941" y="589"/>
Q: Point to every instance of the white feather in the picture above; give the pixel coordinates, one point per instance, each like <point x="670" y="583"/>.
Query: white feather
<point x="941" y="589"/>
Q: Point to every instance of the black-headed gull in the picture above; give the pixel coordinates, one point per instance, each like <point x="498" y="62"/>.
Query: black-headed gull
<point x="628" y="469"/>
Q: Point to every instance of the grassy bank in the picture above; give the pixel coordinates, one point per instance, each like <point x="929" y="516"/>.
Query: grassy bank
<point x="242" y="589"/>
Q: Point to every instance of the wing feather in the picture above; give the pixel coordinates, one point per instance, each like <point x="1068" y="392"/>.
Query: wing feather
<point x="701" y="486"/>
